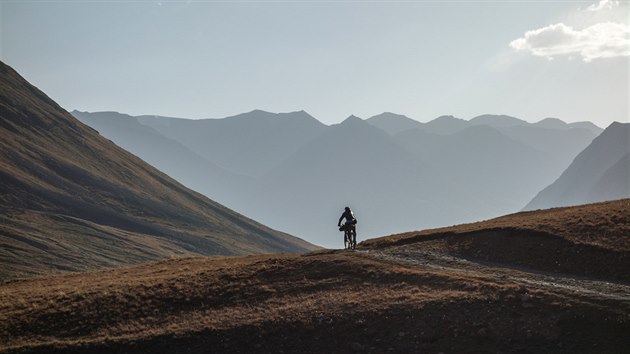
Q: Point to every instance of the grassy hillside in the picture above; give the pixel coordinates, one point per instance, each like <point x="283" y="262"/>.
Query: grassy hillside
<point x="72" y="200"/>
<point x="390" y="296"/>
<point x="606" y="225"/>
<point x="592" y="239"/>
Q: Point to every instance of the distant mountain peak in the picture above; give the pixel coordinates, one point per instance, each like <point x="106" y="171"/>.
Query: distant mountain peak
<point x="552" y="123"/>
<point x="354" y="122"/>
<point x="300" y="114"/>
<point x="258" y="111"/>
<point x="352" y="118"/>
<point x="387" y="115"/>
<point x="552" y="119"/>
<point x="447" y="117"/>
<point x="393" y="123"/>
<point x="615" y="125"/>
<point x="497" y="120"/>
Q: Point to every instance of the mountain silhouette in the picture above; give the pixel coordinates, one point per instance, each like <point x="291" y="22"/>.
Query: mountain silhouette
<point x="557" y="144"/>
<point x="551" y="123"/>
<point x="393" y="123"/>
<point x="250" y="144"/>
<point x="615" y="183"/>
<point x="555" y="123"/>
<point x="169" y="156"/>
<point x="296" y="174"/>
<point x="598" y="173"/>
<point x="445" y="125"/>
<point x="354" y="163"/>
<point x="561" y="145"/>
<point x="72" y="200"/>
<point x="497" y="121"/>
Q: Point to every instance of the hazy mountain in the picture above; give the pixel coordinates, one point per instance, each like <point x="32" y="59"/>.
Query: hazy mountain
<point x="586" y="125"/>
<point x="450" y="125"/>
<point x="249" y="144"/>
<point x="438" y="173"/>
<point x="549" y="134"/>
<point x="551" y="123"/>
<point x="72" y="200"/>
<point x="559" y="141"/>
<point x="560" y="144"/>
<point x="597" y="173"/>
<point x="614" y="183"/>
<point x="497" y="121"/>
<point x="169" y="156"/>
<point x="503" y="171"/>
<point x="356" y="164"/>
<point x="445" y="125"/>
<point x="555" y="123"/>
<point x="393" y="123"/>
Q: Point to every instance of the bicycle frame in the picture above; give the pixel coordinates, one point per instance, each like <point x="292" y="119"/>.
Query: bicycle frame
<point x="350" y="237"/>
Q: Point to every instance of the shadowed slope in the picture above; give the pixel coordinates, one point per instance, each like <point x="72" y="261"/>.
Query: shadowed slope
<point x="170" y="157"/>
<point x="61" y="182"/>
<point x="577" y="182"/>
<point x="615" y="182"/>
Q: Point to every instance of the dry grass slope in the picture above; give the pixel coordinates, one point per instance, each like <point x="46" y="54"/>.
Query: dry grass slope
<point x="72" y="200"/>
<point x="589" y="240"/>
<point x="329" y="301"/>
<point x="320" y="302"/>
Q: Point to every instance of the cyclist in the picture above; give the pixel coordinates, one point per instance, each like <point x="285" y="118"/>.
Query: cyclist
<point x="351" y="222"/>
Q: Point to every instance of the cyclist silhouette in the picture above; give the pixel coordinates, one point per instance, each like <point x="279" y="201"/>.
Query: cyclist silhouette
<point x="349" y="227"/>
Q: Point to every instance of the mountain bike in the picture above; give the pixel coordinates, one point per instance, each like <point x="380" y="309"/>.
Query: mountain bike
<point x="349" y="236"/>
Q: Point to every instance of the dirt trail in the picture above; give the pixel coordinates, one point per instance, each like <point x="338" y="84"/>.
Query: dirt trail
<point x="591" y="288"/>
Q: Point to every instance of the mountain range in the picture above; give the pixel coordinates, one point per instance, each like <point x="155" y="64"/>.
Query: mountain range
<point x="72" y="200"/>
<point x="295" y="174"/>
<point x="600" y="172"/>
<point x="250" y="144"/>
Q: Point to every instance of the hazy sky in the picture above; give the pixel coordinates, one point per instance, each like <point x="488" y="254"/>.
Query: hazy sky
<point x="200" y="59"/>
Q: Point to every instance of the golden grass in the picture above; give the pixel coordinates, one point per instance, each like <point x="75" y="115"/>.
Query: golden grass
<point x="605" y="225"/>
<point x="187" y="298"/>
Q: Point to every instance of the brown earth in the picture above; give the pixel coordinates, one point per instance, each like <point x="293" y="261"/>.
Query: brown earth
<point x="589" y="240"/>
<point x="407" y="293"/>
<point x="71" y="200"/>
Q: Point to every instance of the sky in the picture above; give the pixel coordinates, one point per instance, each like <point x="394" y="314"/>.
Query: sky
<point x="211" y="59"/>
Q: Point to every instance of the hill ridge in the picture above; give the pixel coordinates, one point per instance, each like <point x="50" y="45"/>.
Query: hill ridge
<point x="54" y="169"/>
